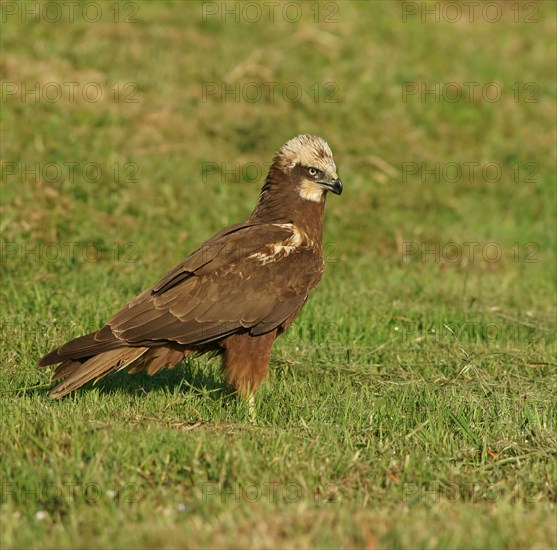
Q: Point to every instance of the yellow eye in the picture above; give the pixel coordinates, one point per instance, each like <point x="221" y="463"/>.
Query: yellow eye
<point x="312" y="171"/>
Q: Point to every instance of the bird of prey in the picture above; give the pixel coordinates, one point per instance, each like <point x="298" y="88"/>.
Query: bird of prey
<point x="232" y="296"/>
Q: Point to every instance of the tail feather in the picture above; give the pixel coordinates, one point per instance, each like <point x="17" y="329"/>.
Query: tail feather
<point x="85" y="346"/>
<point x="96" y="367"/>
<point x="157" y="359"/>
<point x="169" y="360"/>
<point x="134" y="359"/>
<point x="65" y="369"/>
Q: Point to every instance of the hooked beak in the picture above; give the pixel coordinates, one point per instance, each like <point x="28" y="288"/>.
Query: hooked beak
<point x="333" y="184"/>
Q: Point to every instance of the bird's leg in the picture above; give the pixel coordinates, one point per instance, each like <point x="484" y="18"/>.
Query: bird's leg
<point x="246" y="362"/>
<point x="251" y="408"/>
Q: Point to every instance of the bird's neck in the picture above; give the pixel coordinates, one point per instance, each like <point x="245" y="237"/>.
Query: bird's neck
<point x="279" y="204"/>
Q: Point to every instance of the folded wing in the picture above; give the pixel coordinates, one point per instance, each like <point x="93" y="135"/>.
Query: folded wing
<point x="232" y="282"/>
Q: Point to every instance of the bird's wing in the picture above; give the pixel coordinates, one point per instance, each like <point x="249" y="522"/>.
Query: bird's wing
<point x="216" y="250"/>
<point x="250" y="277"/>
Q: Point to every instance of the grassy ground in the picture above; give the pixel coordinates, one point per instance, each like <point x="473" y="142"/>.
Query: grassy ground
<point x="413" y="403"/>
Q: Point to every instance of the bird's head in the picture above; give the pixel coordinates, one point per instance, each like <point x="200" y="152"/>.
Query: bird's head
<point x="307" y="162"/>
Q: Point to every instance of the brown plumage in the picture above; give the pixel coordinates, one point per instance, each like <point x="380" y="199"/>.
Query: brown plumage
<point x="233" y="296"/>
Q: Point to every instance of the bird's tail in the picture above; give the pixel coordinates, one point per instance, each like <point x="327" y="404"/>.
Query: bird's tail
<point x="77" y="373"/>
<point x="83" y="347"/>
<point x="135" y="359"/>
<point x="96" y="354"/>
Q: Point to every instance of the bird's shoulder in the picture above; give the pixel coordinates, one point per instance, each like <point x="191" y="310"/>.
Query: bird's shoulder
<point x="258" y="243"/>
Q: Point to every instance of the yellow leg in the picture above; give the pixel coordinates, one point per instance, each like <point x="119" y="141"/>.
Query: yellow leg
<point x="251" y="407"/>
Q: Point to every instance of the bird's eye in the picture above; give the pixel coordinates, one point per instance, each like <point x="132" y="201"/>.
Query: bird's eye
<point x="312" y="171"/>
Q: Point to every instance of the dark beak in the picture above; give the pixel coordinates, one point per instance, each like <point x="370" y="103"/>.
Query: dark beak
<point x="333" y="185"/>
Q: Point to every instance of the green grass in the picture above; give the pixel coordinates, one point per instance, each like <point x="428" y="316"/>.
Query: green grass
<point x="413" y="404"/>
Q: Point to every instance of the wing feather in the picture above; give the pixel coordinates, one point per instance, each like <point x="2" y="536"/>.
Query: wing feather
<point x="224" y="247"/>
<point x="204" y="299"/>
